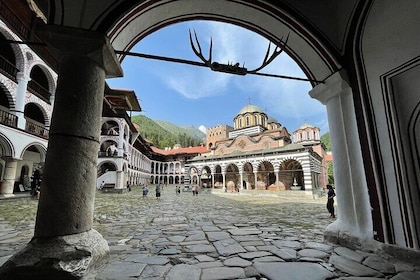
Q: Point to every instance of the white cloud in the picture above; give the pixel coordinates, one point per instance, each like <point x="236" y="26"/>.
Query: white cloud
<point x="202" y="128"/>
<point x="196" y="84"/>
<point x="280" y="97"/>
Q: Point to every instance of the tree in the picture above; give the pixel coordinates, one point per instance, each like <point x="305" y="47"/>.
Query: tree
<point x="330" y="172"/>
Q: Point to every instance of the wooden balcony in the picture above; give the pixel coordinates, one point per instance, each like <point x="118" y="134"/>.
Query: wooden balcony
<point x="8" y="119"/>
<point x="8" y="69"/>
<point x="36" y="129"/>
<point x="39" y="91"/>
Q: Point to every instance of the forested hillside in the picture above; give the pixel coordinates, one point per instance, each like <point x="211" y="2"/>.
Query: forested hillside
<point x="326" y="140"/>
<point x="161" y="137"/>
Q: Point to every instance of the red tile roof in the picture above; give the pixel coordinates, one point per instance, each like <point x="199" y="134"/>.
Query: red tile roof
<point x="189" y="150"/>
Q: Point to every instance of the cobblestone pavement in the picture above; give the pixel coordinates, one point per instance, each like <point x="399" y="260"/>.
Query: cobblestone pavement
<point x="212" y="236"/>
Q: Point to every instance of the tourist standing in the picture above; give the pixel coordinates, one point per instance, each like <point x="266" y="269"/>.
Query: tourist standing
<point x="145" y="191"/>
<point x="158" y="192"/>
<point x="330" y="201"/>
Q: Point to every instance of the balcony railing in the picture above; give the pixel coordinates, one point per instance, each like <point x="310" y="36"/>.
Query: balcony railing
<point x="36" y="129"/>
<point x="107" y="154"/>
<point x="24" y="28"/>
<point x="8" y="119"/>
<point x="8" y="69"/>
<point x="39" y="91"/>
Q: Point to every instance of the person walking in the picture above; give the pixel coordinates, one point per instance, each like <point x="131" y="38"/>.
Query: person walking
<point x="158" y="192"/>
<point x="145" y="191"/>
<point x="101" y="186"/>
<point x="330" y="201"/>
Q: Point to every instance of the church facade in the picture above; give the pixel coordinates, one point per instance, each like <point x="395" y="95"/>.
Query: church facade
<point x="259" y="153"/>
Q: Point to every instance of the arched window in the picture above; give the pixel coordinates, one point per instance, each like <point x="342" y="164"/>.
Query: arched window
<point x="247" y="120"/>
<point x="256" y="120"/>
<point x="240" y="123"/>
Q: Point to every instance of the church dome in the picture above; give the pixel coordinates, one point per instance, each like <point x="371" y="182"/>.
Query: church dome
<point x="306" y="125"/>
<point x="250" y="109"/>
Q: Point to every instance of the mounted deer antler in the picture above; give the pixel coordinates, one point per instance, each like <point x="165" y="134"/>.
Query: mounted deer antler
<point x="231" y="67"/>
<point x="199" y="53"/>
<point x="267" y="60"/>
<point x="234" y="68"/>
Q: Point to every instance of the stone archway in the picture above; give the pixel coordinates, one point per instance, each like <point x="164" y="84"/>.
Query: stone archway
<point x="291" y="175"/>
<point x="248" y="176"/>
<point x="232" y="177"/>
<point x="206" y="177"/>
<point x="309" y="47"/>
<point x="265" y="176"/>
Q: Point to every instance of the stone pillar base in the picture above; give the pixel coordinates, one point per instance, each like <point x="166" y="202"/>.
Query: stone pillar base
<point x="337" y="233"/>
<point x="63" y="257"/>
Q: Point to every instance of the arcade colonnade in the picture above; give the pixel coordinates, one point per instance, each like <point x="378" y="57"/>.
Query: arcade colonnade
<point x="119" y="161"/>
<point x="298" y="170"/>
<point x="171" y="172"/>
<point x="27" y="87"/>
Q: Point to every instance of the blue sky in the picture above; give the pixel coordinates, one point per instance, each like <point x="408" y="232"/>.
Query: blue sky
<point x="189" y="95"/>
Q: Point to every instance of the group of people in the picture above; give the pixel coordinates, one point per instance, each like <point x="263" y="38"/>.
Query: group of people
<point x="330" y="194"/>
<point x="158" y="191"/>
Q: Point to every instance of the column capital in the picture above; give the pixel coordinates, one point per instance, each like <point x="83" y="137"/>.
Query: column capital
<point x="72" y="41"/>
<point x="333" y="86"/>
<point x="22" y="76"/>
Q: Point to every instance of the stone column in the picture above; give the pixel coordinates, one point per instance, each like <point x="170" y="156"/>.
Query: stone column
<point x="242" y="180"/>
<point x="307" y="178"/>
<point x="121" y="141"/>
<point x="22" y="86"/>
<point x="276" y="172"/>
<point x="354" y="221"/>
<point x="9" y="177"/>
<point x="64" y="244"/>
<point x="119" y="181"/>
<point x="212" y="181"/>
<point x="224" y="180"/>
<point x="255" y="179"/>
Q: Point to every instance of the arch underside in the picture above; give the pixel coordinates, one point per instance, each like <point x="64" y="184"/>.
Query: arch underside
<point x="307" y="51"/>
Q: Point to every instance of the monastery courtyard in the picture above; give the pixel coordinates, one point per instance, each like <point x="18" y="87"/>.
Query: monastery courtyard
<point x="212" y="236"/>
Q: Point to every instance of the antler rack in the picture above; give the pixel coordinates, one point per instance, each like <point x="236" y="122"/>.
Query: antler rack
<point x="235" y="68"/>
<point x="229" y="68"/>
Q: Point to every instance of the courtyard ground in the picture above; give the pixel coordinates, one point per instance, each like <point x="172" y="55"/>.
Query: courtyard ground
<point x="214" y="235"/>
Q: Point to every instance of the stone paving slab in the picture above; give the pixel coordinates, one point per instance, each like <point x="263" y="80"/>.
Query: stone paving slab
<point x="222" y="273"/>
<point x="293" y="271"/>
<point x="352" y="267"/>
<point x="213" y="236"/>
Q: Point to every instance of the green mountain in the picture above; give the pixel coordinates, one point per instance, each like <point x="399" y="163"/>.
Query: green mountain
<point x="326" y="140"/>
<point x="176" y="130"/>
<point x="166" y="134"/>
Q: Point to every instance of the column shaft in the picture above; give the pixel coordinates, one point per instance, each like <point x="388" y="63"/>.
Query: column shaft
<point x="69" y="179"/>
<point x="20" y="98"/>
<point x="9" y="177"/>
<point x="354" y="215"/>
